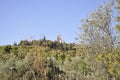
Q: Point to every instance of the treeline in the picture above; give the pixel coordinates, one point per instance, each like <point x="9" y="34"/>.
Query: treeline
<point x="48" y="43"/>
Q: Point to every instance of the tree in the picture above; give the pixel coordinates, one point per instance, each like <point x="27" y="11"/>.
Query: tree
<point x="96" y="37"/>
<point x="24" y="42"/>
<point x="44" y="38"/>
<point x="7" y="49"/>
<point x="15" y="44"/>
<point x="96" y="29"/>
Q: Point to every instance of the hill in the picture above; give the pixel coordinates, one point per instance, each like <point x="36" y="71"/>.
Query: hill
<point x="35" y="60"/>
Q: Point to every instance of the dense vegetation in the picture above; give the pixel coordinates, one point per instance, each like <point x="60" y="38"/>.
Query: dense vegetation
<point x="96" y="56"/>
<point x="35" y="60"/>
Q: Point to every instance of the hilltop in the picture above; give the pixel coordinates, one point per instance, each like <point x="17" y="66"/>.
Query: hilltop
<point x="37" y="58"/>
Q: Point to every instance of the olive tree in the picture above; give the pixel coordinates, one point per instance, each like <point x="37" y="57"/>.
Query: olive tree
<point x="96" y="37"/>
<point x="96" y="29"/>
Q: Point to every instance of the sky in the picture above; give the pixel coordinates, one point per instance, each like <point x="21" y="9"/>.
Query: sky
<point x="31" y="19"/>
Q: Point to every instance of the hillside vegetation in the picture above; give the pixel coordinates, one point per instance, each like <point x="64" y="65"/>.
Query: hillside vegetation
<point x="96" y="56"/>
<point x="35" y="60"/>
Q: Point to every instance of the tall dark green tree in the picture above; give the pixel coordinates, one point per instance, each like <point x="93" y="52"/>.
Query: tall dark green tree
<point x="44" y="38"/>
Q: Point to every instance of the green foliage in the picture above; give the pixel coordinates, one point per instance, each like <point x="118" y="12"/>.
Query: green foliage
<point x="112" y="63"/>
<point x="76" y="68"/>
<point x="117" y="28"/>
<point x="118" y="16"/>
<point x="33" y="62"/>
<point x="24" y="42"/>
<point x="96" y="29"/>
<point x="96" y="45"/>
<point x="7" y="49"/>
<point x="118" y="19"/>
<point x="95" y="58"/>
<point x="44" y="38"/>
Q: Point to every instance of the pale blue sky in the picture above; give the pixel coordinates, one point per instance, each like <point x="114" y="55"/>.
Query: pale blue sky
<point x="29" y="19"/>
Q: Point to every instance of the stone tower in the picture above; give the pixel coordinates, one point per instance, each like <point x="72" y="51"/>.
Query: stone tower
<point x="59" y="38"/>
